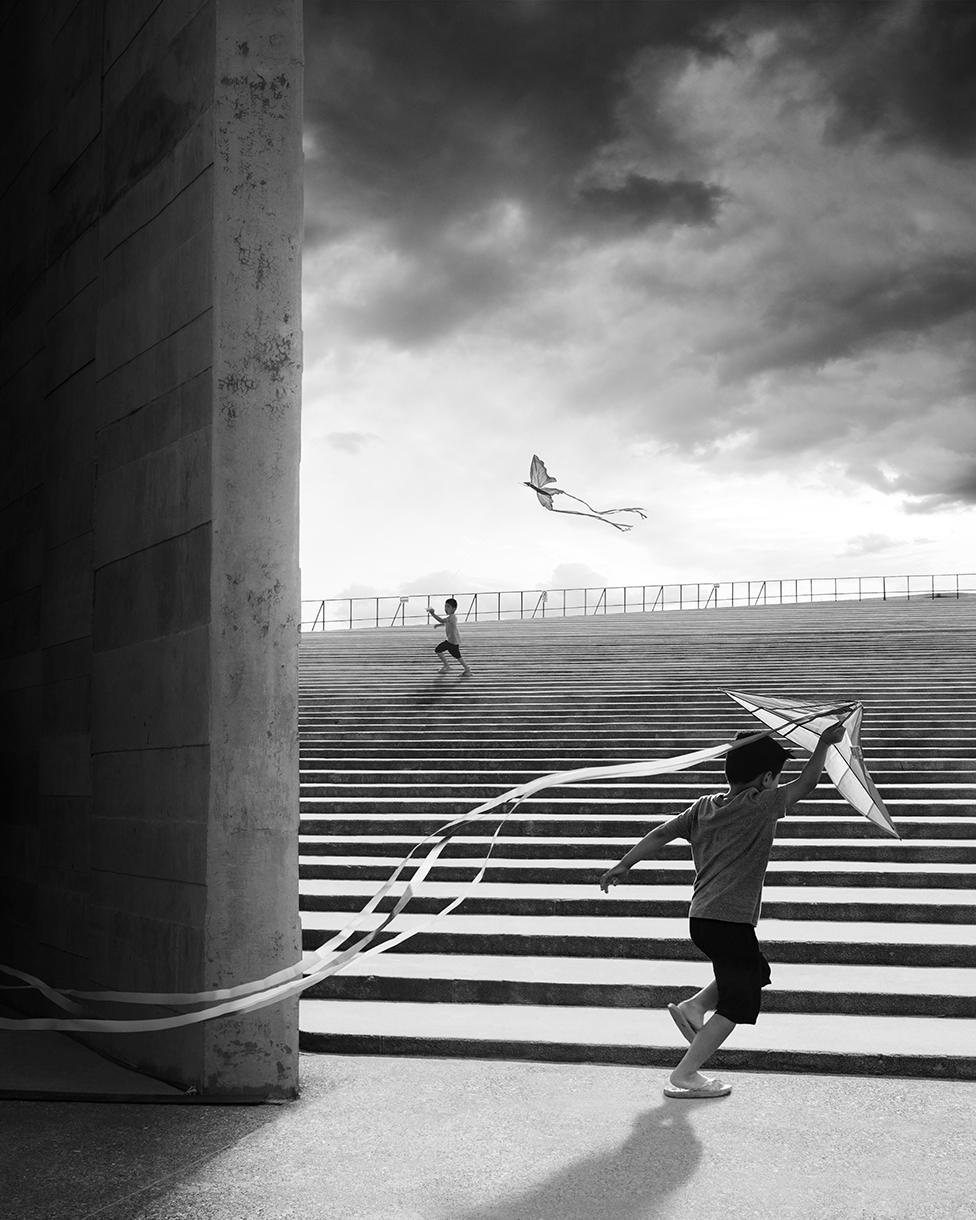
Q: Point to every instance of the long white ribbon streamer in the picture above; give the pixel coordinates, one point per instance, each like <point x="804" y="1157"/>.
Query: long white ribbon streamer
<point x="326" y="960"/>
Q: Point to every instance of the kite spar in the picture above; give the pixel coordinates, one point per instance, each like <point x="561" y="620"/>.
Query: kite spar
<point x="539" y="478"/>
<point x="844" y="763"/>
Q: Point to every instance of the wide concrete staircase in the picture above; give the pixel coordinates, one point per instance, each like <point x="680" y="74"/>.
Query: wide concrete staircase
<point x="872" y="942"/>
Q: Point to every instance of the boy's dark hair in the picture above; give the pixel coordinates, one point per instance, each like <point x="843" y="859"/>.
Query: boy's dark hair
<point x="749" y="762"/>
<point x="451" y="602"/>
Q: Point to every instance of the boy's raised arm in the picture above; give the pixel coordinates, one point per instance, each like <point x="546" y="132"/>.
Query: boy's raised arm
<point x="809" y="777"/>
<point x="435" y="614"/>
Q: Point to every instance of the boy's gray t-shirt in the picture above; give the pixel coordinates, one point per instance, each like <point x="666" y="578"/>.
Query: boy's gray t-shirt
<point x="731" y="840"/>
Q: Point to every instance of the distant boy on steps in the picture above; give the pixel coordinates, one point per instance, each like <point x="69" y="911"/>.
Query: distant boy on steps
<point x="731" y="838"/>
<point x="452" y="644"/>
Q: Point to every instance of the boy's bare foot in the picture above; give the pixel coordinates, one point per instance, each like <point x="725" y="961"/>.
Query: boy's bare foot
<point x="444" y="669"/>
<point x="692" y="1014"/>
<point x="695" y="1081"/>
<point x="467" y="672"/>
<point x="688" y="1019"/>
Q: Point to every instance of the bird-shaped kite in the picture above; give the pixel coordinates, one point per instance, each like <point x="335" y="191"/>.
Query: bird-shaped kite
<point x="844" y="763"/>
<point x="539" y="477"/>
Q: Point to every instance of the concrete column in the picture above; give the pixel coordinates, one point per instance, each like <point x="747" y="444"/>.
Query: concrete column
<point x="252" y="849"/>
<point x="149" y="513"/>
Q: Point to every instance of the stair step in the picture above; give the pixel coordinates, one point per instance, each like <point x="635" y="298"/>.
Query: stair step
<point x="825" y="1043"/>
<point x="622" y="895"/>
<point x="558" y="825"/>
<point x="518" y="848"/>
<point x="626" y="972"/>
<point x="808" y="903"/>
<point x="524" y="873"/>
<point x="652" y="937"/>
<point x="596" y="982"/>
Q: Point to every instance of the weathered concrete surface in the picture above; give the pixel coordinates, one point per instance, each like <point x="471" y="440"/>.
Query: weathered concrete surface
<point x="150" y="363"/>
<point x="408" y="1139"/>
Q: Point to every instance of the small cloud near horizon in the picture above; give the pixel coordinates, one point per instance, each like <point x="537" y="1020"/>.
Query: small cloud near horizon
<point x="349" y="442"/>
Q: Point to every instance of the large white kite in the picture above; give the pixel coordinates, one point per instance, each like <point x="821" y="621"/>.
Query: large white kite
<point x="539" y="478"/>
<point x="844" y="763"/>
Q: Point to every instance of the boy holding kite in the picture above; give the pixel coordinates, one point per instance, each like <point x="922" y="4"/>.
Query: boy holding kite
<point x="731" y="838"/>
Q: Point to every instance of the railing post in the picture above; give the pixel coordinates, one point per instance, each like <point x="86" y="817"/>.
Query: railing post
<point x="835" y="588"/>
<point x="625" y="599"/>
<point x="644" y="597"/>
<point x="884" y="588"/>
<point x="521" y="604"/>
<point x="499" y="596"/>
<point x="350" y="614"/>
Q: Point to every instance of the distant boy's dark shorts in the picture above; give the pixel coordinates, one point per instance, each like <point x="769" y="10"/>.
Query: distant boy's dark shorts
<point x="453" y="649"/>
<point x="741" y="971"/>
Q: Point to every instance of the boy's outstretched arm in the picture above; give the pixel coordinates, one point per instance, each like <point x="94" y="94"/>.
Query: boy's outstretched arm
<point x="648" y="846"/>
<point x="436" y="615"/>
<point x="809" y="777"/>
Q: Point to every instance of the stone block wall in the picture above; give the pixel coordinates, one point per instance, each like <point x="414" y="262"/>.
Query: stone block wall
<point x="150" y="184"/>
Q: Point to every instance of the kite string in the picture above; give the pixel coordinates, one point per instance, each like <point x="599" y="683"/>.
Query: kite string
<point x="250" y="996"/>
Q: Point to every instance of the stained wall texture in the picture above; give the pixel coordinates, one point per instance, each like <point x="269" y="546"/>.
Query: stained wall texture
<point x="150" y="205"/>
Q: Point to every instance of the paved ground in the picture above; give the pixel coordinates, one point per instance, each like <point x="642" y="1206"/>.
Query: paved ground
<point x="411" y="1139"/>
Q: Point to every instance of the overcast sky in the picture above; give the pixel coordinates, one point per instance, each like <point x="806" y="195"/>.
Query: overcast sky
<point x="713" y="258"/>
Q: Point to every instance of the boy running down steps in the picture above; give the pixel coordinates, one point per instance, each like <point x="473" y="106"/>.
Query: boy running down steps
<point x="452" y="644"/>
<point x="731" y="838"/>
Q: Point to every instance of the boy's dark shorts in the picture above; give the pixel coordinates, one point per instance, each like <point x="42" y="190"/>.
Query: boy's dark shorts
<point x="453" y="649"/>
<point x="741" y="970"/>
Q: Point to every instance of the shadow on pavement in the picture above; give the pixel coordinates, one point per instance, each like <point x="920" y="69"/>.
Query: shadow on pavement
<point x="631" y="1182"/>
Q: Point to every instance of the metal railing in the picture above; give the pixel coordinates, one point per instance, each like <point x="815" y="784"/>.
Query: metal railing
<point x="397" y="610"/>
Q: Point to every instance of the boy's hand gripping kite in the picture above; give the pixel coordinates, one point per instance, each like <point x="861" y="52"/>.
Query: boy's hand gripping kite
<point x="539" y="477"/>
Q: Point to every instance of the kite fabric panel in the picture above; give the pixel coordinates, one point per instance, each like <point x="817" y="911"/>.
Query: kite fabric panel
<point x="844" y="763"/>
<point x="540" y="478"/>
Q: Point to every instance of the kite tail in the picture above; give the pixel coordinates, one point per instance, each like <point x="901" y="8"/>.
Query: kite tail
<point x="606" y="511"/>
<point x="617" y="525"/>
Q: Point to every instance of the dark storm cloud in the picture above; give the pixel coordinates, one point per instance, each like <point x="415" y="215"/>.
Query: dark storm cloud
<point x="427" y="104"/>
<point x="953" y="492"/>
<point x="641" y="200"/>
<point x="814" y="323"/>
<point x="902" y="70"/>
<point x="426" y="114"/>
